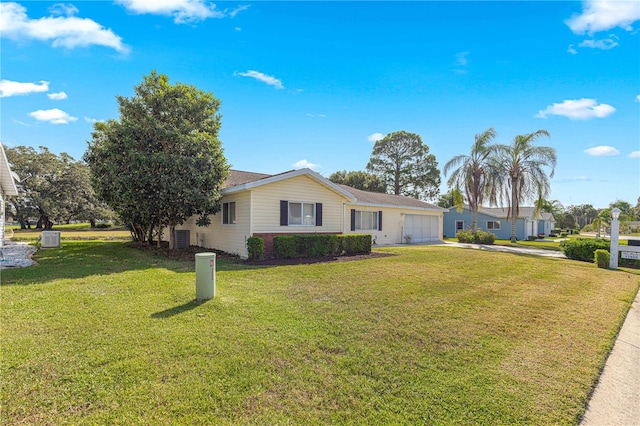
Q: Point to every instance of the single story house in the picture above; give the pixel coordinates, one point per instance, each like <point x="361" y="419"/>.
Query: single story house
<point x="7" y="188"/>
<point x="304" y="202"/>
<point x="494" y="219"/>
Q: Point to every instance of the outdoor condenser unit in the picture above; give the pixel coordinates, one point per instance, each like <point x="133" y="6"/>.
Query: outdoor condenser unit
<point x="50" y="239"/>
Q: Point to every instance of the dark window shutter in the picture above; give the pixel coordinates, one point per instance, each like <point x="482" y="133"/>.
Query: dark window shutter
<point x="284" y="213"/>
<point x="225" y="213"/>
<point x="353" y="219"/>
<point x="380" y="220"/>
<point x="318" y="214"/>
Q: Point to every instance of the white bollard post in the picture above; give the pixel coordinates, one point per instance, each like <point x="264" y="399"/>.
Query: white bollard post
<point x="615" y="231"/>
<point x="205" y="276"/>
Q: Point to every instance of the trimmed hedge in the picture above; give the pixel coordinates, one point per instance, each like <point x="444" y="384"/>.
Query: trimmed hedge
<point x="602" y="258"/>
<point x="255" y="248"/>
<point x="305" y="246"/>
<point x="479" y="237"/>
<point x="583" y="249"/>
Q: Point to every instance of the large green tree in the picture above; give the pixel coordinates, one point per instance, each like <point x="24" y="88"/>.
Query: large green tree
<point x="404" y="163"/>
<point x="524" y="166"/>
<point x="584" y="214"/>
<point x="359" y="180"/>
<point x="162" y="161"/>
<point x="475" y="174"/>
<point x="53" y="188"/>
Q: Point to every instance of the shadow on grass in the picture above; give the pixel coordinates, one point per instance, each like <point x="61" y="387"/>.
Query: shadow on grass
<point x="177" y="310"/>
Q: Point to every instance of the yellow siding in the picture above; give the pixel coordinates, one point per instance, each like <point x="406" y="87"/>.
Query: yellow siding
<point x="392" y="223"/>
<point x="266" y="204"/>
<point x="228" y="238"/>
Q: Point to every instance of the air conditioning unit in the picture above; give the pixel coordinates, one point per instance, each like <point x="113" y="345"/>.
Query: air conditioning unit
<point x="50" y="239"/>
<point x="183" y="238"/>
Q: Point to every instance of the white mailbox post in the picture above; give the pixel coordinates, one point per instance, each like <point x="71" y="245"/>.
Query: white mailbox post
<point x="615" y="231"/>
<point x="205" y="276"/>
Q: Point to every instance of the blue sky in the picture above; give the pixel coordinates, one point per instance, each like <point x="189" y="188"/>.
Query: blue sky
<point x="314" y="84"/>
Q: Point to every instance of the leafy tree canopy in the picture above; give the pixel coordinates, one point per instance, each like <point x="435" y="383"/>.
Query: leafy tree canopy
<point x="53" y="188"/>
<point x="359" y="180"/>
<point x="403" y="162"/>
<point x="162" y="161"/>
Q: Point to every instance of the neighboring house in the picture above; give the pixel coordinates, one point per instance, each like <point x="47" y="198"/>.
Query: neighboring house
<point x="304" y="202"/>
<point x="7" y="188"/>
<point x="494" y="219"/>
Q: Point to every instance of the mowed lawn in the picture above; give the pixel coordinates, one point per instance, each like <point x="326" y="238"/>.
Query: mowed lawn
<point x="100" y="333"/>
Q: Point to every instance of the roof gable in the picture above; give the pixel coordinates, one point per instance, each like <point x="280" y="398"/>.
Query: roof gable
<point x="7" y="180"/>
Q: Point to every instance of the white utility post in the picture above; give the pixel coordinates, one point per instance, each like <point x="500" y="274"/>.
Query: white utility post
<point x="615" y="231"/>
<point x="205" y="276"/>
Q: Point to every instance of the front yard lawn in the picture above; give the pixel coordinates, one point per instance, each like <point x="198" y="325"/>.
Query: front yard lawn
<point x="101" y="333"/>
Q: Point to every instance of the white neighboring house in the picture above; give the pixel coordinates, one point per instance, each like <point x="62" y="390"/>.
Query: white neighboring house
<point x="7" y="188"/>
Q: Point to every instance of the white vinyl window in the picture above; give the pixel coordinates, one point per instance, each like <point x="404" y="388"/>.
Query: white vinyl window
<point x="303" y="214"/>
<point x="229" y="213"/>
<point x="366" y="220"/>
<point x="493" y="224"/>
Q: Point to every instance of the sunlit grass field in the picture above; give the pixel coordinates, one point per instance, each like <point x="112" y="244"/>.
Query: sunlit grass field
<point x="101" y="333"/>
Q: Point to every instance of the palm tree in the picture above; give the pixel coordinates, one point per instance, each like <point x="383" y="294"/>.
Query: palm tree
<point x="475" y="174"/>
<point x="523" y="163"/>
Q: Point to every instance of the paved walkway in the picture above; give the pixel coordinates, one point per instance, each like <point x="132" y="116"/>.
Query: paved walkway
<point x="616" y="399"/>
<point x="516" y="250"/>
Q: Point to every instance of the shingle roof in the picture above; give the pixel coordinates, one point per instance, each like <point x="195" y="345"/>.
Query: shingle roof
<point x="501" y="212"/>
<point x="388" y="199"/>
<point x="237" y="177"/>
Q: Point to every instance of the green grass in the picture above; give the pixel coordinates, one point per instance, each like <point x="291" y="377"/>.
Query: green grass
<point x="99" y="333"/>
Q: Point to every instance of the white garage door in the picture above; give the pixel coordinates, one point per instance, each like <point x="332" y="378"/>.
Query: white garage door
<point x="421" y="228"/>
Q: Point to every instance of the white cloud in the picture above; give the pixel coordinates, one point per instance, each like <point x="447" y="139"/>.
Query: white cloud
<point x="602" y="151"/>
<point x="63" y="30"/>
<point x="461" y="59"/>
<point x="601" y="15"/>
<point x="182" y="11"/>
<point x="304" y="164"/>
<point x="637" y="98"/>
<point x="578" y="109"/>
<point x="572" y="50"/>
<point x="604" y="44"/>
<point x="13" y="88"/>
<point x="270" y="80"/>
<point x="91" y="120"/>
<point x="53" y="116"/>
<point x="238" y="29"/>
<point x="635" y="154"/>
<point x="57" y="96"/>
<point x="316" y="115"/>
<point x="238" y="9"/>
<point x="375" y="137"/>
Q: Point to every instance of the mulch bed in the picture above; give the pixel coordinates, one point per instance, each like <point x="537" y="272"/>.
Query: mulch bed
<point x="188" y="255"/>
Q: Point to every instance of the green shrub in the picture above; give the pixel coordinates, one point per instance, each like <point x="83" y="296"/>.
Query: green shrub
<point x="465" y="237"/>
<point x="479" y="237"/>
<point x="255" y="247"/>
<point x="284" y="246"/>
<point x="601" y="258"/>
<point x="103" y="225"/>
<point x="532" y="238"/>
<point x="484" y="237"/>
<point x="309" y="245"/>
<point x="563" y="234"/>
<point x="583" y="249"/>
<point x="355" y="244"/>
